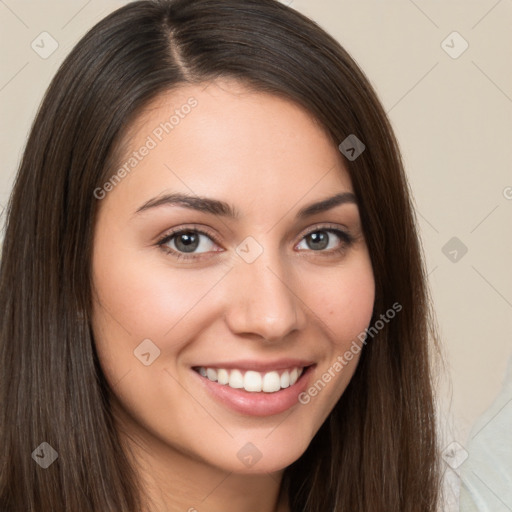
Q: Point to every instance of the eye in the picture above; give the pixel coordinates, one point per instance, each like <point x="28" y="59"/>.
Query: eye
<point x="186" y="243"/>
<point x="190" y="243"/>
<point x="326" y="240"/>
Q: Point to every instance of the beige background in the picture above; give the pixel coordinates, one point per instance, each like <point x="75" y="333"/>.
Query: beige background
<point x="452" y="116"/>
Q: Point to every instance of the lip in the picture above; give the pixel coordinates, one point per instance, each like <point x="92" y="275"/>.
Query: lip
<point x="258" y="366"/>
<point x="257" y="404"/>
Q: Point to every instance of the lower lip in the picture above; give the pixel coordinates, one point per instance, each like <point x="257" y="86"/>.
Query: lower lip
<point x="257" y="404"/>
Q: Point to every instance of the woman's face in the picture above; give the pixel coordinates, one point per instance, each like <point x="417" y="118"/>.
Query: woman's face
<point x="201" y="301"/>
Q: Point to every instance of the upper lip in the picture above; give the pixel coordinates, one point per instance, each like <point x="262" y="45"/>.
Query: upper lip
<point x="259" y="366"/>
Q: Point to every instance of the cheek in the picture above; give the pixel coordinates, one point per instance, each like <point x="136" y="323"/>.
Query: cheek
<point x="343" y="306"/>
<point x="144" y="295"/>
<point x="344" y="303"/>
<point x="139" y="297"/>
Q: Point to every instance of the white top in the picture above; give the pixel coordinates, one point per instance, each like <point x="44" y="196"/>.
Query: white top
<point x="486" y="475"/>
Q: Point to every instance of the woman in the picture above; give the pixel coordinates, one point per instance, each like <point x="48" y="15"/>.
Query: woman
<point x="212" y="291"/>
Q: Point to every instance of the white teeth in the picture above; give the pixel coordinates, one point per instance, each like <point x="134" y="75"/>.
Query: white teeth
<point x="222" y="376"/>
<point x="211" y="373"/>
<point x="236" y="379"/>
<point x="252" y="381"/>
<point x="271" y="382"/>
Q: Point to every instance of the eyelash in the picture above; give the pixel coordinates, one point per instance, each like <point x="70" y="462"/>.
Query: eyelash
<point x="346" y="241"/>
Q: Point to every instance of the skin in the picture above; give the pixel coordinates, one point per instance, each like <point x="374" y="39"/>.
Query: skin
<point x="268" y="158"/>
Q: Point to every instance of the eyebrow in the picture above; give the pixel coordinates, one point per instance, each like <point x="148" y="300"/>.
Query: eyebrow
<point x="217" y="207"/>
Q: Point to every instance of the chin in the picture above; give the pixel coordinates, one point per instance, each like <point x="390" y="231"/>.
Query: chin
<point x="261" y="456"/>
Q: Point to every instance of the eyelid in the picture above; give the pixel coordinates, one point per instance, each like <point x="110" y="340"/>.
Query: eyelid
<point x="325" y="227"/>
<point x="192" y="227"/>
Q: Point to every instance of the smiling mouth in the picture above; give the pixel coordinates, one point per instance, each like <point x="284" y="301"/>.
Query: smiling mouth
<point x="252" y="381"/>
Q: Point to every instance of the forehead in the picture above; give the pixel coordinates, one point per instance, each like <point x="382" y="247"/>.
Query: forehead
<point x="225" y="140"/>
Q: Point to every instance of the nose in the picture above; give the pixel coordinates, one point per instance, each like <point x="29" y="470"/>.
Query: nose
<point x="263" y="299"/>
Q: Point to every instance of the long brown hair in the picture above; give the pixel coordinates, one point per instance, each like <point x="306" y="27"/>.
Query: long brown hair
<point x="377" y="451"/>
